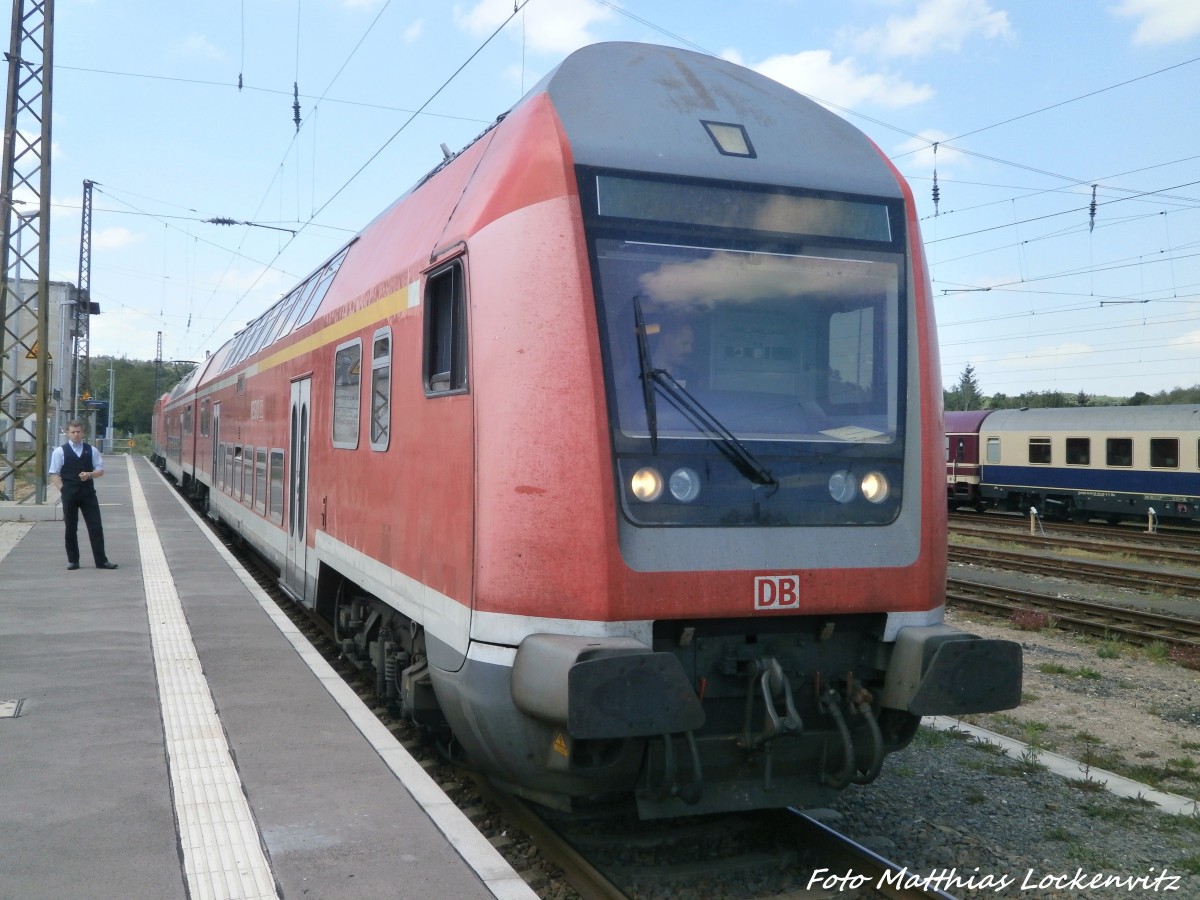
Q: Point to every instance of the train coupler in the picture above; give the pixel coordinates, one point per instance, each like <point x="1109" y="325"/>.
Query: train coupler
<point x="768" y="677"/>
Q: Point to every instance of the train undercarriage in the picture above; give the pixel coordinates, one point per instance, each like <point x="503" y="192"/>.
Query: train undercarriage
<point x="715" y="716"/>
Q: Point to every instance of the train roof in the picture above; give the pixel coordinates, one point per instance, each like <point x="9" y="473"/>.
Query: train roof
<point x="1181" y="417"/>
<point x="965" y="421"/>
<point x="665" y="95"/>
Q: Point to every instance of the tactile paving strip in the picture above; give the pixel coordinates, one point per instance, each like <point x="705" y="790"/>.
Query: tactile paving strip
<point x="222" y="850"/>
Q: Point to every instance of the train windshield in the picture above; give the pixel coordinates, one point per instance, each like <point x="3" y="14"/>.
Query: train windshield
<point x="770" y="345"/>
<point x="777" y="347"/>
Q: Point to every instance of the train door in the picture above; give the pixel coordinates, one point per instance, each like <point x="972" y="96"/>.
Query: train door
<point x="295" y="579"/>
<point x="213" y="478"/>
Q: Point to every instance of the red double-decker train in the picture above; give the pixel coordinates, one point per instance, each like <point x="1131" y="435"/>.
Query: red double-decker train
<point x="614" y="446"/>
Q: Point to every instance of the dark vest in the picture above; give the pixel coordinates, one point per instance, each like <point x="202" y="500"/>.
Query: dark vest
<point x="73" y="465"/>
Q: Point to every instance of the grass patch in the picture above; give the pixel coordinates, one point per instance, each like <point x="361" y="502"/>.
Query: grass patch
<point x="1189" y="864"/>
<point x="1059" y="669"/>
<point x="1157" y="651"/>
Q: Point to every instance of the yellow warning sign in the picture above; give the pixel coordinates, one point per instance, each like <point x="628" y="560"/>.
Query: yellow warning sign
<point x="560" y="745"/>
<point x="33" y="352"/>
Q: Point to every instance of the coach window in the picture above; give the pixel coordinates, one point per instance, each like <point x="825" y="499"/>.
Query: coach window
<point x="347" y="381"/>
<point x="1119" y="451"/>
<point x="260" y="482"/>
<point x="205" y="417"/>
<point x="993" y="449"/>
<point x="1079" y="451"/>
<point x="381" y="388"/>
<point x="235" y="483"/>
<point x="276" y="504"/>
<point x="248" y="478"/>
<point x="1164" y="453"/>
<point x="1039" y="451"/>
<point x="227" y="469"/>
<point x="445" y="331"/>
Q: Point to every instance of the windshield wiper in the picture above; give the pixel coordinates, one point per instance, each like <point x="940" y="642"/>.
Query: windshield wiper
<point x="726" y="441"/>
<point x="647" y="374"/>
<point x="685" y="401"/>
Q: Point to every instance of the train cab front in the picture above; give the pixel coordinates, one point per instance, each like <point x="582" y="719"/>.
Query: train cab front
<point x="762" y="369"/>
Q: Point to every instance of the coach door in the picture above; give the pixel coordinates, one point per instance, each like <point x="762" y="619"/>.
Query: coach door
<point x="214" y="474"/>
<point x="295" y="578"/>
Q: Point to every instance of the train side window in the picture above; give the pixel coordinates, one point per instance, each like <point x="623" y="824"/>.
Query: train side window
<point x="445" y="331"/>
<point x="248" y="477"/>
<point x="260" y="481"/>
<point x="219" y="475"/>
<point x="276" y="503"/>
<point x="347" y="381"/>
<point x="205" y="417"/>
<point x="320" y="287"/>
<point x="1119" y="451"/>
<point x="961" y="453"/>
<point x="235" y="483"/>
<point x="227" y="470"/>
<point x="993" y="450"/>
<point x="1079" y="451"/>
<point x="381" y="389"/>
<point x="1039" y="451"/>
<point x="1164" y="453"/>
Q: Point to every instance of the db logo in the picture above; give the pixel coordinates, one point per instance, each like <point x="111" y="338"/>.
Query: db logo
<point x="777" y="592"/>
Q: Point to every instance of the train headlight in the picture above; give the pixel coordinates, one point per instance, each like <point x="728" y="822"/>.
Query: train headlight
<point x="842" y="487"/>
<point x="875" y="487"/>
<point x="646" y="484"/>
<point x="685" y="485"/>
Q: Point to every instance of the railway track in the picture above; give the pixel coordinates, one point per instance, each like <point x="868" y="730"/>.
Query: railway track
<point x="1103" y="620"/>
<point x="1147" y="547"/>
<point x="1090" y="570"/>
<point x="607" y="855"/>
<point x="1164" y="536"/>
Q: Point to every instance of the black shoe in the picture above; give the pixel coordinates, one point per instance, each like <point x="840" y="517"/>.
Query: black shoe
<point x="72" y="566"/>
<point x="107" y="565"/>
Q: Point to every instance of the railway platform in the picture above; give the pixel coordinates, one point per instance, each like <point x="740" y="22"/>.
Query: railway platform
<point x="166" y="732"/>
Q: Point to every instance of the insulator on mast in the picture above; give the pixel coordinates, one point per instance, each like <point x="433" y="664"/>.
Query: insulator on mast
<point x="1092" y="211"/>
<point x="937" y="192"/>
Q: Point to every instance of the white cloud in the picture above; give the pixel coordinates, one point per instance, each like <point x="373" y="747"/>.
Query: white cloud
<point x="1161" y="21"/>
<point x="556" y="27"/>
<point x="1189" y="341"/>
<point x="936" y="25"/>
<point x="813" y="72"/>
<point x="115" y="238"/>
<point x="198" y="46"/>
<point x="414" y="31"/>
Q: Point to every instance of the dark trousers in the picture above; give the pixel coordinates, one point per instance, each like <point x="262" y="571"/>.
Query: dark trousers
<point x="74" y="503"/>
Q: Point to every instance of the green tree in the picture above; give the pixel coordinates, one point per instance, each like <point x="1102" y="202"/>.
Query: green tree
<point x="966" y="394"/>
<point x="135" y="393"/>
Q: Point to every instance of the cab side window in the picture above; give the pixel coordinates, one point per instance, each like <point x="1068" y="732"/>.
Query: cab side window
<point x="446" y="331"/>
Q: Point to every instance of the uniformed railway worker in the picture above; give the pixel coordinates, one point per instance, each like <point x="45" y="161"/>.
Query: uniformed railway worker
<point x="74" y="467"/>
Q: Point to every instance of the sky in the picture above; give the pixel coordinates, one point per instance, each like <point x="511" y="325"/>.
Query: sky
<point x="1024" y="110"/>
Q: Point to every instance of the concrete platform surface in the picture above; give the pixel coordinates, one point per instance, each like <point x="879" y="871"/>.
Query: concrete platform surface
<point x="165" y="732"/>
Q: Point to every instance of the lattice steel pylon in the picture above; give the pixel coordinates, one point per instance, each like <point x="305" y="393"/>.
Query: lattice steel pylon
<point x="81" y="360"/>
<point x="25" y="181"/>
